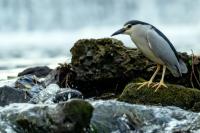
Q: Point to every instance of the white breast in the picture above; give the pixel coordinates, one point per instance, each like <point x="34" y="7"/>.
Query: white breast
<point x="139" y="37"/>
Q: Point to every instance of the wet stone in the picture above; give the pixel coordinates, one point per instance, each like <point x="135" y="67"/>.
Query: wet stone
<point x="46" y="95"/>
<point x="12" y="95"/>
<point x="27" y="82"/>
<point x="40" y="71"/>
<point x="71" y="117"/>
<point x="35" y="90"/>
<point x="120" y="117"/>
<point x="65" y="94"/>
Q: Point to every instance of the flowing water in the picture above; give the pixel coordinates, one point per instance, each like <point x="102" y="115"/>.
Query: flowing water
<point x="35" y="32"/>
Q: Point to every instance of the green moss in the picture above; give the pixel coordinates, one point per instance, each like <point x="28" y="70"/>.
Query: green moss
<point x="174" y="95"/>
<point x="78" y="111"/>
<point x="30" y="124"/>
<point x="101" y="59"/>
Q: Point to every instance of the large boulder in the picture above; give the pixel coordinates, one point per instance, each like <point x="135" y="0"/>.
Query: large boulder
<point x="174" y="95"/>
<point x="99" y="59"/>
<point x="106" y="65"/>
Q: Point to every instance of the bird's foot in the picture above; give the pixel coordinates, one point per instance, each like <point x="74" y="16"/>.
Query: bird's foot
<point x="148" y="83"/>
<point x="158" y="85"/>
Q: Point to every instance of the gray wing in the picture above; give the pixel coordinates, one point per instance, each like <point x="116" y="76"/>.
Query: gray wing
<point x="162" y="49"/>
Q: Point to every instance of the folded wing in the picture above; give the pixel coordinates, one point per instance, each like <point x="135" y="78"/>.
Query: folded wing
<point x="162" y="48"/>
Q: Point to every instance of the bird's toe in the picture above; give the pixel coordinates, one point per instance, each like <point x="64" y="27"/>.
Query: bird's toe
<point x="141" y="85"/>
<point x="149" y="84"/>
<point x="159" y="85"/>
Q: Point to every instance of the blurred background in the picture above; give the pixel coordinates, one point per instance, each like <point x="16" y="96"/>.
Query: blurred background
<point x="41" y="32"/>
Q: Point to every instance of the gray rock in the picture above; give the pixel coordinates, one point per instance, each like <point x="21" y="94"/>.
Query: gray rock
<point x="52" y="78"/>
<point x="65" y="94"/>
<point x="11" y="95"/>
<point x="40" y="71"/>
<point x="72" y="116"/>
<point x="54" y="94"/>
<point x="46" y="95"/>
<point x="27" y="82"/>
<point x="120" y="117"/>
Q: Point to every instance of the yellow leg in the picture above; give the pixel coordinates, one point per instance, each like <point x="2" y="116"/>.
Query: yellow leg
<point x="161" y="83"/>
<point x="151" y="79"/>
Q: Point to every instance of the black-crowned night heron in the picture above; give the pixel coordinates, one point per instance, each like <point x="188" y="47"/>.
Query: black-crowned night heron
<point x="155" y="46"/>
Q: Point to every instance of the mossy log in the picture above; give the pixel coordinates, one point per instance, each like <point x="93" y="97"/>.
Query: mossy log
<point x="174" y="95"/>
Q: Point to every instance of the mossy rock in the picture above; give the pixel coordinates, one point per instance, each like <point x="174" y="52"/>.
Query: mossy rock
<point x="174" y="95"/>
<point x="72" y="116"/>
<point x="78" y="111"/>
<point x="104" y="65"/>
<point x="99" y="59"/>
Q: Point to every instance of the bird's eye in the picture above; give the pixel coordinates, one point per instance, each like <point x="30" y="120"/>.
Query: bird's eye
<point x="129" y="26"/>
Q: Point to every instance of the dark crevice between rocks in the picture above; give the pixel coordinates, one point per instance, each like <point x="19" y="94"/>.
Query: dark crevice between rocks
<point x="97" y="88"/>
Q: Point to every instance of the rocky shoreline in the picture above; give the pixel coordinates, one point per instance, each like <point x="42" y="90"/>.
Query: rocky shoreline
<point x="102" y="74"/>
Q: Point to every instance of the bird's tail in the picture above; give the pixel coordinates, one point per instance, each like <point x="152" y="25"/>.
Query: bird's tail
<point x="179" y="69"/>
<point x="175" y="70"/>
<point x="183" y="66"/>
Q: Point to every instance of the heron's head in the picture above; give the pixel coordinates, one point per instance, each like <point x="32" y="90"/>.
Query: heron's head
<point x="129" y="27"/>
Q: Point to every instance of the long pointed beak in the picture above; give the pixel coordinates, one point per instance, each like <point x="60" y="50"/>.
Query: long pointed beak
<point x="118" y="32"/>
